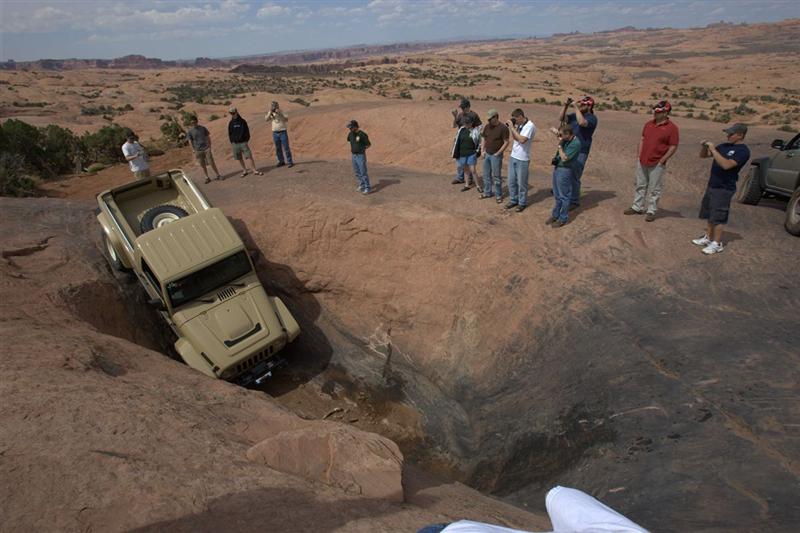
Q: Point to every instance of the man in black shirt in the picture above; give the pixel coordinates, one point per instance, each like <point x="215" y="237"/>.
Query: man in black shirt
<point x="359" y="142"/>
<point x="729" y="158"/>
<point x="239" y="135"/>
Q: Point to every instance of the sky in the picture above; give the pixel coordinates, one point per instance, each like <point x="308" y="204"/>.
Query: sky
<point x="181" y="29"/>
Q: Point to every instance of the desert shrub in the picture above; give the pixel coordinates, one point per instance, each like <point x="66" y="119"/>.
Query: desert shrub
<point x="212" y="118"/>
<point x="105" y="145"/>
<point x="14" y="178"/>
<point x="95" y="167"/>
<point x="187" y="116"/>
<point x="173" y="131"/>
<point x="62" y="149"/>
<point x="153" y="151"/>
<point x="306" y="104"/>
<point x="786" y="127"/>
<point x="20" y="138"/>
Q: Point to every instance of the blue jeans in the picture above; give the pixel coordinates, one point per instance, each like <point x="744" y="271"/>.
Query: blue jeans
<point x="563" y="178"/>
<point x="281" y="140"/>
<point x="580" y="164"/>
<point x="492" y="165"/>
<point x="518" y="181"/>
<point x="360" y="170"/>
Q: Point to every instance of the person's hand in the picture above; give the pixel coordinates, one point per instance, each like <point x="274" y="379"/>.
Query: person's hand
<point x="709" y="145"/>
<point x="554" y="131"/>
<point x="454" y="112"/>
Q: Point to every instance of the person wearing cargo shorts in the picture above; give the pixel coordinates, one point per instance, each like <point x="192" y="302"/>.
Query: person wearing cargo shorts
<point x="200" y="140"/>
<point x="729" y="158"/>
<point x="239" y="135"/>
<point x="658" y="144"/>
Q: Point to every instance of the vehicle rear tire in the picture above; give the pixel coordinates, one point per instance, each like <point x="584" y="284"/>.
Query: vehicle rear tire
<point x="160" y="216"/>
<point x="111" y="254"/>
<point x="750" y="189"/>
<point x="792" y="223"/>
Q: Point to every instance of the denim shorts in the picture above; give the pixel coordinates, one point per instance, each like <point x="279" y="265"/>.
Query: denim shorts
<point x="470" y="160"/>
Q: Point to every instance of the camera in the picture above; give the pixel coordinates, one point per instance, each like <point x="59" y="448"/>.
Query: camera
<point x="554" y="161"/>
<point x="569" y="100"/>
<point x="514" y="120"/>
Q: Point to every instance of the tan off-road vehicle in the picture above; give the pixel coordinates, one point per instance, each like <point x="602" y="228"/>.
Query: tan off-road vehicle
<point x="197" y="274"/>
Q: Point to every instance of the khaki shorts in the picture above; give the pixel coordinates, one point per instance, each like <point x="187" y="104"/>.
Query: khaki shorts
<point x="241" y="149"/>
<point x="139" y="174"/>
<point x="205" y="157"/>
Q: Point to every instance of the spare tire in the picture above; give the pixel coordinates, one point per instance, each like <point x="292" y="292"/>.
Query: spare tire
<point x="160" y="216"/>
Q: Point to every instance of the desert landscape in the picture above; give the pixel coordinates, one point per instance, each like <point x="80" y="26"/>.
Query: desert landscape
<point x="456" y="359"/>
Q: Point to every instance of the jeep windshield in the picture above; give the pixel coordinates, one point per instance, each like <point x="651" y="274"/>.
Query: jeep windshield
<point x="196" y="284"/>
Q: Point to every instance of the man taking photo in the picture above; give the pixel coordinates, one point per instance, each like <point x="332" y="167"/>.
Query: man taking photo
<point x="583" y="123"/>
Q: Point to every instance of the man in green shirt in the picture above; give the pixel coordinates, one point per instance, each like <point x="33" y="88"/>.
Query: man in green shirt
<point x="565" y="162"/>
<point x="359" y="142"/>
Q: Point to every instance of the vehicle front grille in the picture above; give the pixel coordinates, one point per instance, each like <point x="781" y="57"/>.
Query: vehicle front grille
<point x="226" y="293"/>
<point x="248" y="364"/>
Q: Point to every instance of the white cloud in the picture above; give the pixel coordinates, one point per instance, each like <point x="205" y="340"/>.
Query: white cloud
<point x="272" y="10"/>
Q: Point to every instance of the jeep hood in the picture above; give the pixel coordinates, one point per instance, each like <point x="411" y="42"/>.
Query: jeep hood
<point x="231" y="329"/>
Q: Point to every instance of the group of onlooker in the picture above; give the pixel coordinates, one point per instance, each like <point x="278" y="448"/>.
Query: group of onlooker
<point x="199" y="140"/>
<point x="658" y="143"/>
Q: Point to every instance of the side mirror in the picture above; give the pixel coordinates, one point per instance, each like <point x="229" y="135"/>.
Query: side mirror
<point x="156" y="303"/>
<point x="777" y="143"/>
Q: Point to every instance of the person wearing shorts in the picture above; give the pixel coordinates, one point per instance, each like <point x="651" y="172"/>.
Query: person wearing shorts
<point x="465" y="152"/>
<point x="200" y="140"/>
<point x="729" y="158"/>
<point x="239" y="135"/>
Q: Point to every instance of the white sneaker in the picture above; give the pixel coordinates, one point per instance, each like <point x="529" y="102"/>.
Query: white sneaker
<point x="713" y="248"/>
<point x="702" y="241"/>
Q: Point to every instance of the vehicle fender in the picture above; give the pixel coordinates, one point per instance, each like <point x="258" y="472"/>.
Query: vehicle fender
<point x="192" y="358"/>
<point x="123" y="257"/>
<point x="286" y="318"/>
<point x="761" y="165"/>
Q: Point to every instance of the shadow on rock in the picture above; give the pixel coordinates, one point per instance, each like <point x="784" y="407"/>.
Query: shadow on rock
<point x="275" y="509"/>
<point x="311" y="353"/>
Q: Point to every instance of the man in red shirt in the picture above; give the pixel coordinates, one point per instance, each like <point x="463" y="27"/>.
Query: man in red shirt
<point x="659" y="142"/>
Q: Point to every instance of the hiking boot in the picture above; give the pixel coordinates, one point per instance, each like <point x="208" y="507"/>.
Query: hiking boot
<point x="290" y="165"/>
<point x="366" y="191"/>
<point x="632" y="211"/>
<point x="649" y="217"/>
<point x="466" y="188"/>
<point x="281" y="164"/>
<point x="456" y="182"/>
<point x="550" y="220"/>
<point x="702" y="241"/>
<point x="573" y="207"/>
<point x="713" y="248"/>
<point x="511" y="205"/>
<point x="484" y="196"/>
<point x="480" y="189"/>
<point x="520" y="208"/>
<point x="557" y="224"/>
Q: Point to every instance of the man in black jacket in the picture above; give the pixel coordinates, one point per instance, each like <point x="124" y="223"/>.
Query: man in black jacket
<point x="239" y="134"/>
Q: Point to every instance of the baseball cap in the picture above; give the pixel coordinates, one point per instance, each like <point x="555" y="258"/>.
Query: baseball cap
<point x="352" y="124"/>
<point x="662" y="107"/>
<point x="588" y="100"/>
<point x="464" y="103"/>
<point x="492" y="113"/>
<point x="232" y="110"/>
<point x="736" y="128"/>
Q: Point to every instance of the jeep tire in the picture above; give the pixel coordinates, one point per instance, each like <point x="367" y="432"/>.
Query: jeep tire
<point x="792" y="223"/>
<point x="160" y="216"/>
<point x="750" y="189"/>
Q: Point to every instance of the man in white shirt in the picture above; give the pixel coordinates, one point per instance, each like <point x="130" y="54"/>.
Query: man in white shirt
<point x="522" y="131"/>
<point x="136" y="156"/>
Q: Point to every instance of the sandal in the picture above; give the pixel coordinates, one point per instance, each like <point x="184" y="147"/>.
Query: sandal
<point x="208" y="180"/>
<point x="466" y="188"/>
<point x="258" y="173"/>
<point x="480" y="189"/>
<point x="245" y="173"/>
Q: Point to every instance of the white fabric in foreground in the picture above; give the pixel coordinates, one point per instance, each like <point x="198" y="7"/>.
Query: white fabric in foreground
<point x="571" y="511"/>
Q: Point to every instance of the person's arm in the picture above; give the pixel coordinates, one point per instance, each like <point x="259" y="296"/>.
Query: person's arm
<point x="722" y="161"/>
<point x="563" y="115"/>
<point x="505" y="145"/>
<point x="245" y="131"/>
<point x="573" y="148"/>
<point x="670" y="152"/>
<point x="456" y="116"/>
<point x="514" y="133"/>
<point x="580" y="118"/>
<point x="704" y="151"/>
